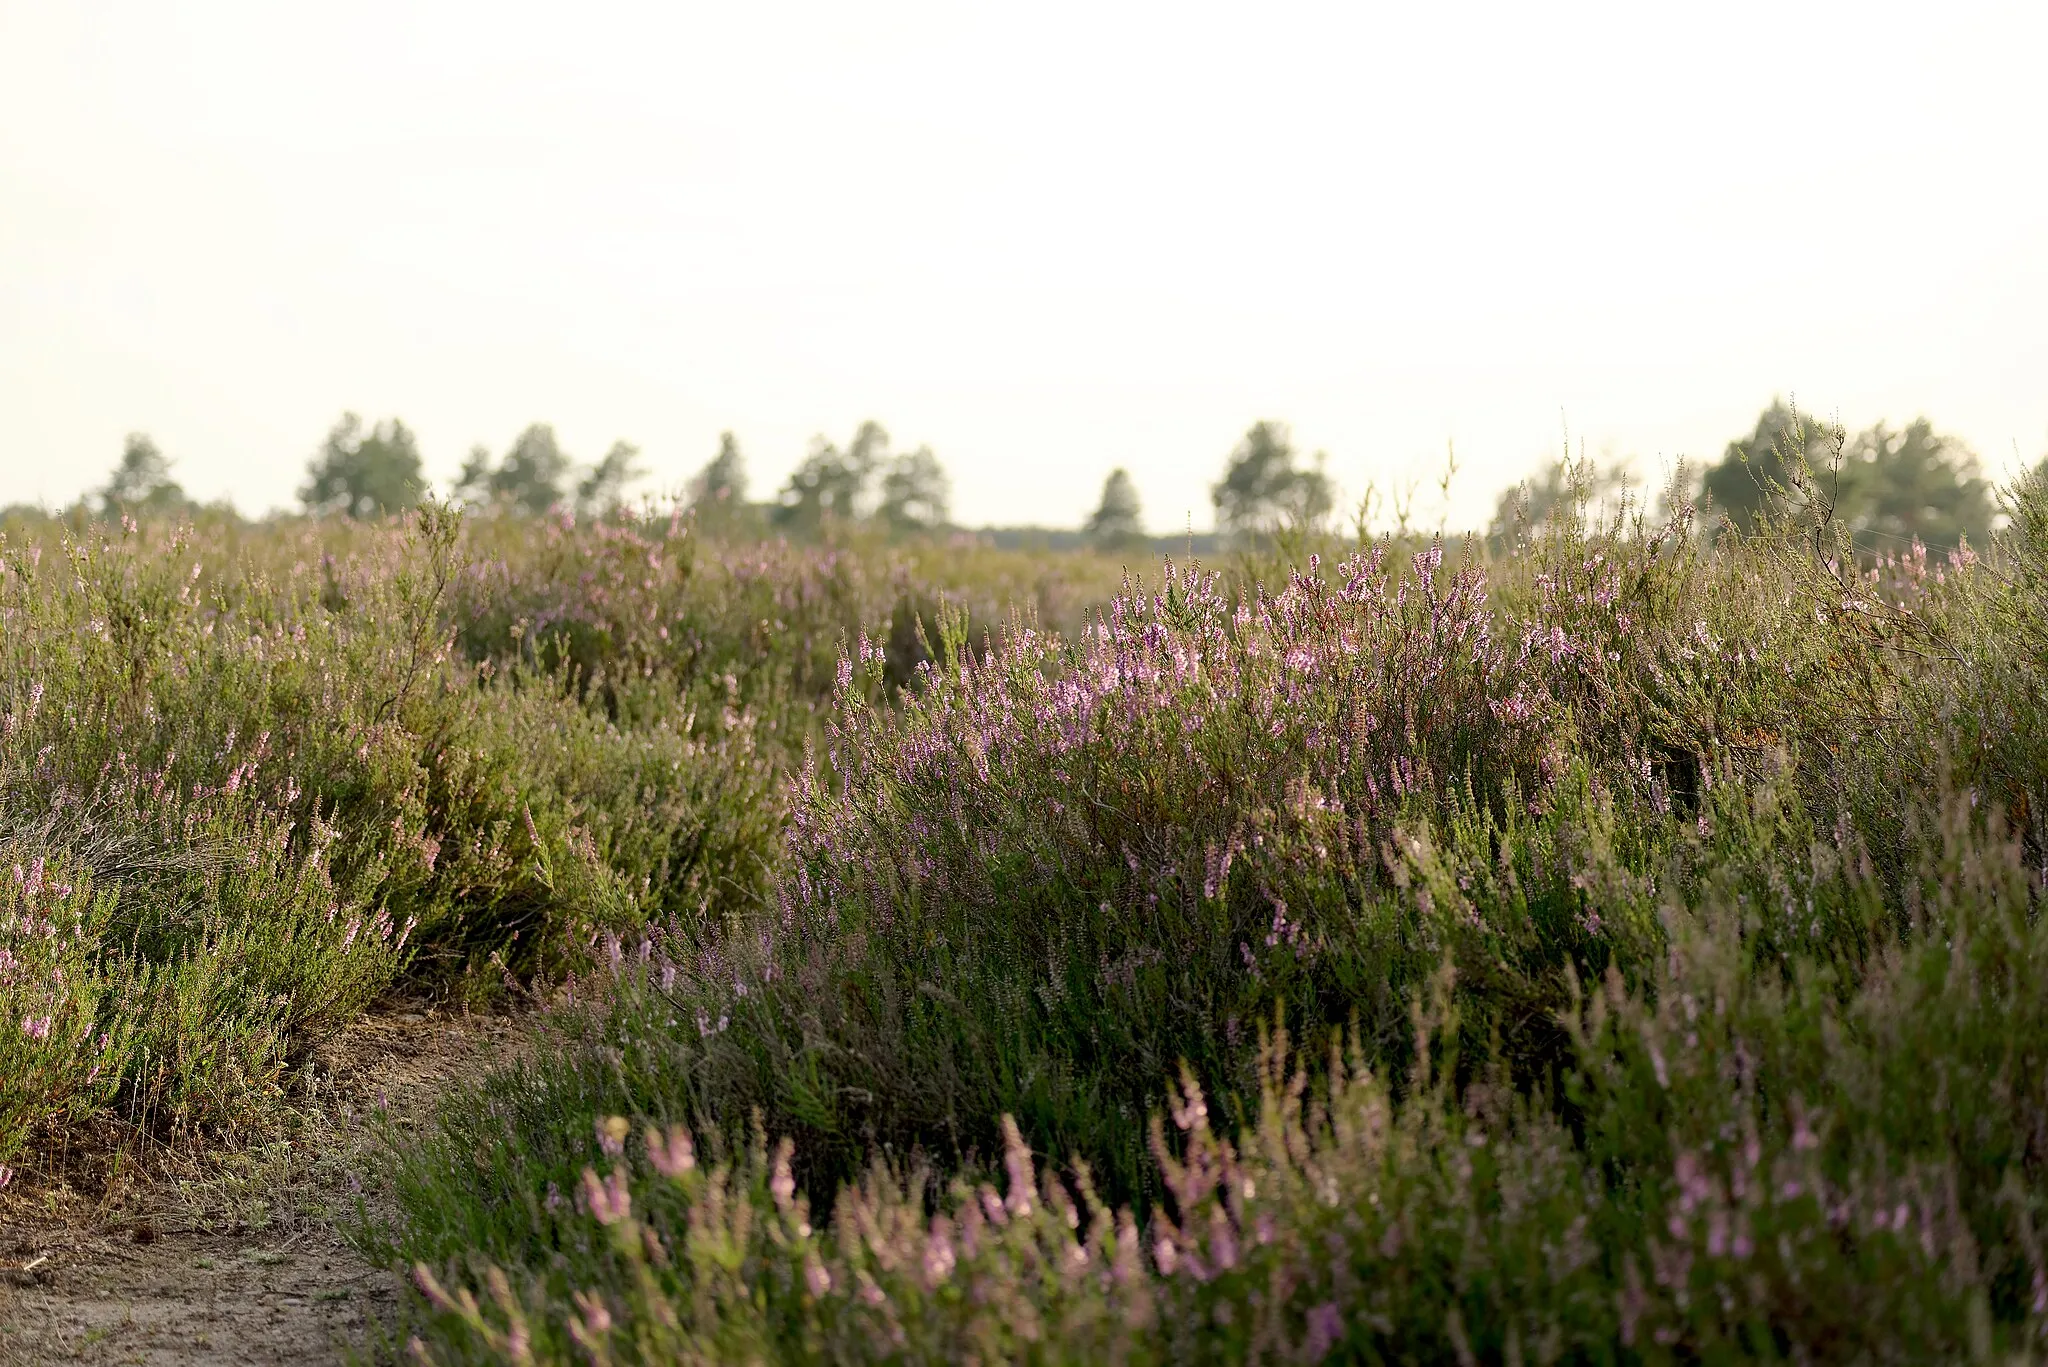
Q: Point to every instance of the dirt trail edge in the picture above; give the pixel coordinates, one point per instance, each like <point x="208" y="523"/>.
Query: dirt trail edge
<point x="241" y="1263"/>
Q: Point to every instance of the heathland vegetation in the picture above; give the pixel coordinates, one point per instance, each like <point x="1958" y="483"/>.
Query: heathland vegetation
<point x="1613" y="937"/>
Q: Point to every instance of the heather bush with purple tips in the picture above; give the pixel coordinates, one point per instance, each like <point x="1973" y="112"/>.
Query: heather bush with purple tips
<point x="1679" y="912"/>
<point x="1674" y="911"/>
<point x="54" y="1053"/>
<point x="277" y="786"/>
<point x="1748" y="1168"/>
<point x="1058" y="871"/>
<point x="292" y="767"/>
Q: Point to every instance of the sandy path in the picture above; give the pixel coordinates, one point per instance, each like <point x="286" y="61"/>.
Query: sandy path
<point x="192" y="1298"/>
<point x="243" y="1261"/>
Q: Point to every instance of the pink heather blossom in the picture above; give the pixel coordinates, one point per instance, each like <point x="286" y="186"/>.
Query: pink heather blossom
<point x="672" y="1155"/>
<point x="781" y="1181"/>
<point x="597" y="1320"/>
<point x="938" y="1254"/>
<point x="611" y="1135"/>
<point x="1325" y="1331"/>
<point x="817" y="1280"/>
<point x="1017" y="1163"/>
<point x="608" y="1201"/>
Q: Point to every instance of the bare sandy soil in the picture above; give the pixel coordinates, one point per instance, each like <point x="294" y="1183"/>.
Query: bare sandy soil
<point x="189" y="1298"/>
<point x="239" y="1258"/>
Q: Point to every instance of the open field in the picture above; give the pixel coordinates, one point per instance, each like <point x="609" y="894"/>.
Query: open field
<point x="1616" y="944"/>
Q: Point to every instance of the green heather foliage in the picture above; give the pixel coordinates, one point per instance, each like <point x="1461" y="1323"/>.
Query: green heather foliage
<point x="1671" y="914"/>
<point x="1610" y="944"/>
<point x="251" y="778"/>
<point x="237" y="802"/>
<point x="1810" y="1129"/>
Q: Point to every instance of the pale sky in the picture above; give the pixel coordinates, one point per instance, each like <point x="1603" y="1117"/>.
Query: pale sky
<point x="1045" y="239"/>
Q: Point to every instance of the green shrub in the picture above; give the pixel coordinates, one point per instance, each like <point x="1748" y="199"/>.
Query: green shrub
<point x="1839" y="1162"/>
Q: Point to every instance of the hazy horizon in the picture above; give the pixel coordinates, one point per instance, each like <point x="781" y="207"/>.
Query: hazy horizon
<point x="1044" y="244"/>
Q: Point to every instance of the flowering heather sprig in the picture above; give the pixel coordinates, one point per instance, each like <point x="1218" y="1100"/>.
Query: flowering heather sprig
<point x="672" y="1154"/>
<point x="608" y="1201"/>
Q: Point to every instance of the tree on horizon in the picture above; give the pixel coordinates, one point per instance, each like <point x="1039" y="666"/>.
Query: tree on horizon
<point x="831" y="485"/>
<point x="1754" y="471"/>
<point x="1529" y="504"/>
<point x="1263" y="491"/>
<point x="1913" y="484"/>
<point x="141" y="482"/>
<point x="1116" y="521"/>
<point x="529" y="479"/>
<point x="916" y="493"/>
<point x="1886" y="488"/>
<point x="364" y="474"/>
<point x="603" y="489"/>
<point x="723" y="480"/>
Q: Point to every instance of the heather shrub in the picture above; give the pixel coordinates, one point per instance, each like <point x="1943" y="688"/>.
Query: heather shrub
<point x="1663" y="897"/>
<point x="1971" y="711"/>
<point x="1752" y="1152"/>
<point x="644" y="607"/>
<point x="210" y="940"/>
<point x="285" y="788"/>
<point x="54" y="1063"/>
<point x="1838" y="1159"/>
<point x="304" y="763"/>
<point x="935" y="928"/>
<point x="1042" y="880"/>
<point x="164" y="951"/>
<point x="1057" y="870"/>
<point x="675" y="1030"/>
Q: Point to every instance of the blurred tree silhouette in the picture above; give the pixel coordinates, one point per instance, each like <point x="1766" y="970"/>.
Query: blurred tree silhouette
<point x="723" y="481"/>
<point x="1116" y="521"/>
<point x="1755" y="471"/>
<point x="916" y="493"/>
<point x="473" y="481"/>
<point x="1898" y="487"/>
<point x="830" y="484"/>
<point x="1263" y="490"/>
<point x="531" y="475"/>
<point x="364" y="474"/>
<point x="529" y="479"/>
<point x="1577" y="484"/>
<point x="604" y="488"/>
<point x="142" y="482"/>
<point x="1886" y="488"/>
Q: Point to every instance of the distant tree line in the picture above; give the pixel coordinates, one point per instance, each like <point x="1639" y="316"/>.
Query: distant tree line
<point x="864" y="481"/>
<point x="535" y="476"/>
<point x="375" y="470"/>
<point x="141" y="483"/>
<point x="1886" y="487"/>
